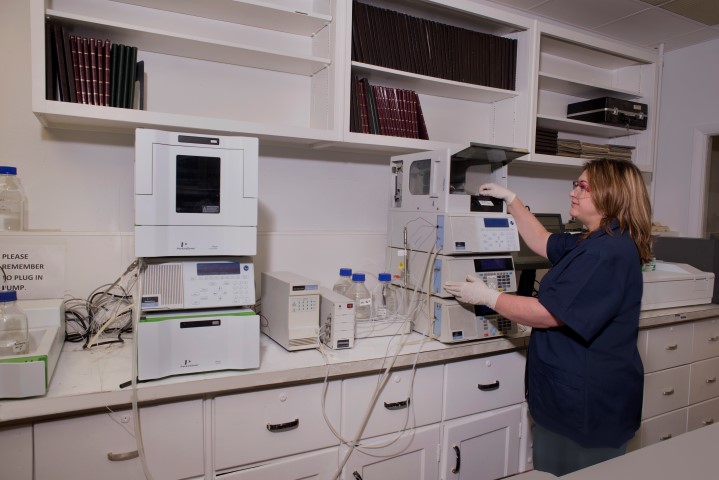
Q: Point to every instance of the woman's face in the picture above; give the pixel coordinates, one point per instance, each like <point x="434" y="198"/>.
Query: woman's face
<point x="583" y="208"/>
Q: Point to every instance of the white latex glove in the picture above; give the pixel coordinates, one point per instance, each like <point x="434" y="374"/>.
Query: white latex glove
<point x="474" y="291"/>
<point x="496" y="191"/>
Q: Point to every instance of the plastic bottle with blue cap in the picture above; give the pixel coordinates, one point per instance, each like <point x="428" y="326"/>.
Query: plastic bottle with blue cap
<point x="360" y="295"/>
<point x="13" y="325"/>
<point x="12" y="200"/>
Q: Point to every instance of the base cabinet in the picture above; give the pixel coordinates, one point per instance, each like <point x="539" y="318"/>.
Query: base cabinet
<point x="16" y="453"/>
<point x="411" y="456"/>
<point x="482" y="447"/>
<point x="103" y="445"/>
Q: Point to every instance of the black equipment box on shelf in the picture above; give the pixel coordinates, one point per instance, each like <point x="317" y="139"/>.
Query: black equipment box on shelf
<point x="610" y="111"/>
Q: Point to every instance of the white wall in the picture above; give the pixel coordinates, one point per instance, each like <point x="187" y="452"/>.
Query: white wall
<point x="689" y="101"/>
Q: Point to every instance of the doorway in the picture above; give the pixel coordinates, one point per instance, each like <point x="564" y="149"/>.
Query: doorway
<point x="711" y="200"/>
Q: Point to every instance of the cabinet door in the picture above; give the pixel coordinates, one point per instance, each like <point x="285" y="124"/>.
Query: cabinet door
<point x="483" y="384"/>
<point x="316" y="465"/>
<point x="172" y="435"/>
<point x="704" y="381"/>
<point x="665" y="391"/>
<point x="482" y="447"/>
<point x="706" y="340"/>
<point x="404" y="402"/>
<point x="16" y="453"/>
<point x="411" y="457"/>
<point x="256" y="426"/>
<point x="668" y="347"/>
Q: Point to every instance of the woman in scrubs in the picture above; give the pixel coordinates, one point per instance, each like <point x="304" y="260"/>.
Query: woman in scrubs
<point x="584" y="374"/>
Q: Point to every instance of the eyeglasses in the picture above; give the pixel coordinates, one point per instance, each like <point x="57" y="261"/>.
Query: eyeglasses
<point x="582" y="185"/>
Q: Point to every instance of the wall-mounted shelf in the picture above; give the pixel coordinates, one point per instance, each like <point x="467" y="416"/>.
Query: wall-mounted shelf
<point x="568" y="86"/>
<point x="431" y="85"/>
<point x="188" y="46"/>
<point x="259" y="14"/>
<point x="579" y="127"/>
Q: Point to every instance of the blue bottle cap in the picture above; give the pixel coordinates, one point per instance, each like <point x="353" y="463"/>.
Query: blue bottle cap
<point x="8" y="171"/>
<point x="345" y="272"/>
<point x="384" y="277"/>
<point x="358" y="277"/>
<point x="8" y="296"/>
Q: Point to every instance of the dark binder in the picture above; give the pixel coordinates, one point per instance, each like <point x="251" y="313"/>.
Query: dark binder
<point x="70" y="72"/>
<point x="50" y="63"/>
<point x="61" y="64"/>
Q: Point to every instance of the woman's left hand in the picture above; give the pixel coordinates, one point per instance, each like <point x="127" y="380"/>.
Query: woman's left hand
<point x="474" y="291"/>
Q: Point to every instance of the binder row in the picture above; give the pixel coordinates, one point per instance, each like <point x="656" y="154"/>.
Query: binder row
<point x="380" y="110"/>
<point x="395" y="40"/>
<point x="89" y="70"/>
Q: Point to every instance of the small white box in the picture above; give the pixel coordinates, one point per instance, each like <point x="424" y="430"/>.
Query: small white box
<point x="29" y="375"/>
<point x="337" y="320"/>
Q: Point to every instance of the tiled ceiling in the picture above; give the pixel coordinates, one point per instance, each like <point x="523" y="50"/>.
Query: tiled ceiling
<point x="646" y="23"/>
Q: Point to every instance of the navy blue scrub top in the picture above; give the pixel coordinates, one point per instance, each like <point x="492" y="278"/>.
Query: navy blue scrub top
<point x="585" y="379"/>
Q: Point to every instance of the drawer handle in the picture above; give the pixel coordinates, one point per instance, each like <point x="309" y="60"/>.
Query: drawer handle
<point x="668" y="392"/>
<point x="665" y="437"/>
<point x="489" y="386"/>
<point x="283" y="427"/>
<point x="356" y="475"/>
<point x="121" y="457"/>
<point x="396" y="405"/>
<point x="711" y="380"/>
<point x="672" y="347"/>
<point x="458" y="461"/>
<point x="714" y="338"/>
<point x="708" y="422"/>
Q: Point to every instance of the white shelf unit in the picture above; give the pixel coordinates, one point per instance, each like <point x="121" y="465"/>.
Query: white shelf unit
<point x="261" y="68"/>
<point x="455" y="113"/>
<point x="572" y="68"/>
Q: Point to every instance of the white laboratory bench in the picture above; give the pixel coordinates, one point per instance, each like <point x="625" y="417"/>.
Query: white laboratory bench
<point x="206" y="415"/>
<point x="90" y="379"/>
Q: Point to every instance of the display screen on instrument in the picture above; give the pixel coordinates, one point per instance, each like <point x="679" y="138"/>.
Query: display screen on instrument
<point x="496" y="223"/>
<point x="493" y="264"/>
<point x="219" y="268"/>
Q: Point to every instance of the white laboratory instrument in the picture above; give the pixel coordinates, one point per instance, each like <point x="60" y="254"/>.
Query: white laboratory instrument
<point x="197" y="341"/>
<point x="407" y="268"/>
<point x="450" y="321"/>
<point x="291" y="308"/>
<point x="435" y="201"/>
<point x="337" y="320"/>
<point x="29" y="375"/>
<point x="676" y="285"/>
<point x="195" y="194"/>
<point x="188" y="283"/>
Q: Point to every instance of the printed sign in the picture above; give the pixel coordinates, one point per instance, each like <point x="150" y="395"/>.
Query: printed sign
<point x="34" y="271"/>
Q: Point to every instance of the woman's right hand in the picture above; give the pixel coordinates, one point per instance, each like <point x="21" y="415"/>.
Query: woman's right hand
<point x="496" y="191"/>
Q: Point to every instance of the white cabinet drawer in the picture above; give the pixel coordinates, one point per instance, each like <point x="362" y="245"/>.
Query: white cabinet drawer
<point x="482" y="384"/>
<point x="172" y="434"/>
<point x="703" y="414"/>
<point x="664" y="427"/>
<point x="667" y="347"/>
<point x="665" y="391"/>
<point x="706" y="340"/>
<point x="704" y="381"/>
<point x="401" y="403"/>
<point x="319" y="465"/>
<point x="16" y="453"/>
<point x="255" y="426"/>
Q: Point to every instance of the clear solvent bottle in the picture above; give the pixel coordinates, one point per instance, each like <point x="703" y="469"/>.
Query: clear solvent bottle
<point x="344" y="282"/>
<point x="360" y="295"/>
<point x="384" y="299"/>
<point x="13" y="325"/>
<point x="12" y="200"/>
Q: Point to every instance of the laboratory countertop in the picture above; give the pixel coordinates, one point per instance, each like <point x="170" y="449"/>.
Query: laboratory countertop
<point x="87" y="380"/>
